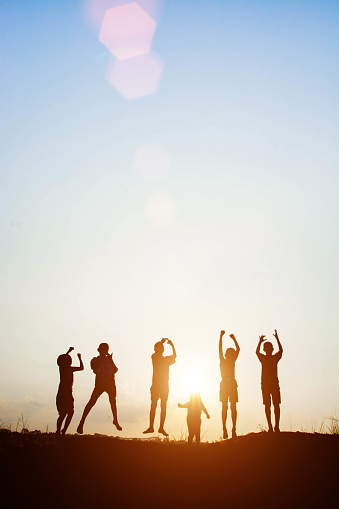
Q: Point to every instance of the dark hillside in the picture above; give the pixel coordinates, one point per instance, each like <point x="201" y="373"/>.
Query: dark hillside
<point x="255" y="470"/>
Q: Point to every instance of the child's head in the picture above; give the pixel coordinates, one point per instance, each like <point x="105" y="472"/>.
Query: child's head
<point x="230" y="354"/>
<point x="159" y="348"/>
<point x="103" y="348"/>
<point x="268" y="348"/>
<point x="64" y="360"/>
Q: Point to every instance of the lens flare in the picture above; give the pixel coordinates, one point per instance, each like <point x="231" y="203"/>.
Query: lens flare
<point x="136" y="77"/>
<point x="127" y="31"/>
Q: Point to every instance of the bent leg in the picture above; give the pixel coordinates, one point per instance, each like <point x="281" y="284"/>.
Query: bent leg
<point x="93" y="399"/>
<point x="113" y="403"/>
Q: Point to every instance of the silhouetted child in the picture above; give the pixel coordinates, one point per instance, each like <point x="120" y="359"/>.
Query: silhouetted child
<point x="228" y="385"/>
<point x="104" y="369"/>
<point x="64" y="398"/>
<point x="160" y="383"/>
<point x="194" y="408"/>
<point x="269" y="379"/>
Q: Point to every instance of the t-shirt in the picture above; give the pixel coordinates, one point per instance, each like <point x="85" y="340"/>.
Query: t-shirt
<point x="161" y="366"/>
<point x="269" y="371"/>
<point x="66" y="379"/>
<point x="104" y="369"/>
<point x="194" y="409"/>
<point x="227" y="368"/>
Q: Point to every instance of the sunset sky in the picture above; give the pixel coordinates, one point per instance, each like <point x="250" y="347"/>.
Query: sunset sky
<point x="175" y="193"/>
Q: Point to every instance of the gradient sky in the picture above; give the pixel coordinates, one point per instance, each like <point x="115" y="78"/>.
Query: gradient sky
<point x="235" y="229"/>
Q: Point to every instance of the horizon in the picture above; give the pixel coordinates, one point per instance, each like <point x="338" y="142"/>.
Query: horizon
<point x="173" y="188"/>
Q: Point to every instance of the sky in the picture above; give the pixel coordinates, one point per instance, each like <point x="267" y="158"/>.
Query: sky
<point x="170" y="179"/>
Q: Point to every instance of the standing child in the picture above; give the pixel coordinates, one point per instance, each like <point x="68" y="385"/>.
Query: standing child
<point x="160" y="383"/>
<point x="194" y="408"/>
<point x="269" y="379"/>
<point x="64" y="398"/>
<point x="228" y="384"/>
<point x="104" y="369"/>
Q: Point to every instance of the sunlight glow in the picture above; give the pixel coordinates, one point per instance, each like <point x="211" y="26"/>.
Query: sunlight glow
<point x="152" y="161"/>
<point x="193" y="381"/>
<point x="161" y="208"/>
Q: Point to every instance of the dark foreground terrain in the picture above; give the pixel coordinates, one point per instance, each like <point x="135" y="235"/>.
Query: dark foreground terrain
<point x="255" y="470"/>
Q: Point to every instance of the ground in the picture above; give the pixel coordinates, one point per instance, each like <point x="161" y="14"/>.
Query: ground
<point x="256" y="470"/>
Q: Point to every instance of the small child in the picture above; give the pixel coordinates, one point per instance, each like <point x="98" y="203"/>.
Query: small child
<point x="269" y="379"/>
<point x="194" y="408"/>
<point x="64" y="398"/>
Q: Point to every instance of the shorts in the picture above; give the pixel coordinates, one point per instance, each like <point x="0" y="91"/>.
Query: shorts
<point x="101" y="388"/>
<point x="228" y="390"/>
<point x="268" y="391"/>
<point x="161" y="393"/>
<point x="64" y="403"/>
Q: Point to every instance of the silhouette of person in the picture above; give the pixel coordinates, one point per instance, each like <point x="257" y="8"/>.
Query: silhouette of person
<point x="104" y="369"/>
<point x="64" y="397"/>
<point x="194" y="408"/>
<point x="228" y="385"/>
<point x="160" y="383"/>
<point x="269" y="379"/>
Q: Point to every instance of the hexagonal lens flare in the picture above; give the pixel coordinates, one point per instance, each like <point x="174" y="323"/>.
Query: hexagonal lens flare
<point x="127" y="31"/>
<point x="136" y="77"/>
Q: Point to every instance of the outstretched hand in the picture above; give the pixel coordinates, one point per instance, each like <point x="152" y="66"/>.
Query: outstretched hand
<point x="275" y="334"/>
<point x="262" y="338"/>
<point x="79" y="355"/>
<point x="222" y="333"/>
<point x="232" y="336"/>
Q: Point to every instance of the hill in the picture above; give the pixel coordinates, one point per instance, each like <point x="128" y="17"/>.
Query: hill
<point x="255" y="470"/>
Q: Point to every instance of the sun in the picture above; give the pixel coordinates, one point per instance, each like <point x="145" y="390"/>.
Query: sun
<point x="193" y="381"/>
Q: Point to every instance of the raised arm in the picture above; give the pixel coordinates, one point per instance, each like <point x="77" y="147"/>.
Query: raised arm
<point x="173" y="349"/>
<point x="81" y="367"/>
<point x="275" y="334"/>
<point x="237" y="347"/>
<point x="261" y="340"/>
<point x="221" y="355"/>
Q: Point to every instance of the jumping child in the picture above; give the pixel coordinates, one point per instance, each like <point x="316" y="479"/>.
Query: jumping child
<point x="104" y="369"/>
<point x="160" y="383"/>
<point x="64" y="398"/>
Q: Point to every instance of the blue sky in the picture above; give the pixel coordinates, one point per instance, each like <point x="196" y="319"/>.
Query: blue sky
<point x="241" y="233"/>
